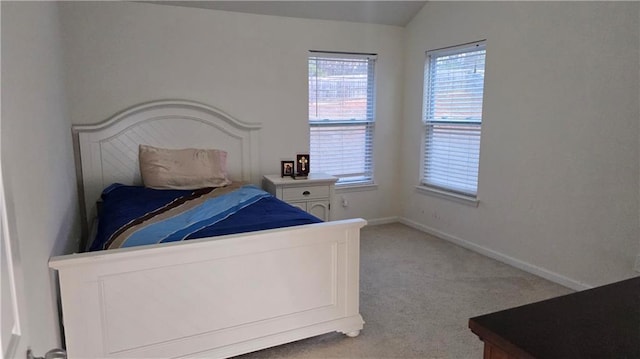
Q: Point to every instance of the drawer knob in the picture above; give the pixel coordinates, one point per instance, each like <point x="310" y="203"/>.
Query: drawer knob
<point x="306" y="193"/>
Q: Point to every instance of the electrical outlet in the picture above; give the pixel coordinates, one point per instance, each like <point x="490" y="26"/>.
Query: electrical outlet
<point x="344" y="202"/>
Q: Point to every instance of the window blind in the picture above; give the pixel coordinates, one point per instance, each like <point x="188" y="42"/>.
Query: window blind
<point x="341" y="115"/>
<point x="454" y="88"/>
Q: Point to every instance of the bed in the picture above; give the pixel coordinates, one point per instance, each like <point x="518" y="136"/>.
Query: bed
<point x="211" y="297"/>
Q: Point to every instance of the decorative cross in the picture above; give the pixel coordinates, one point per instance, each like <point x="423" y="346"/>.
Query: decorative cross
<point x="303" y="161"/>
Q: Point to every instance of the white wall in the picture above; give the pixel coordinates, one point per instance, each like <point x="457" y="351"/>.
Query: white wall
<point x="637" y="264"/>
<point x="253" y="67"/>
<point x="37" y="159"/>
<point x="558" y="181"/>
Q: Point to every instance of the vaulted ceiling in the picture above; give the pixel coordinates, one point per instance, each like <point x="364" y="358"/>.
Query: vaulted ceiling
<point x="397" y="13"/>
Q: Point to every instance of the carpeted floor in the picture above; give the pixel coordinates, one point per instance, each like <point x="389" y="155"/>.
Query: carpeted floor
<point x="417" y="293"/>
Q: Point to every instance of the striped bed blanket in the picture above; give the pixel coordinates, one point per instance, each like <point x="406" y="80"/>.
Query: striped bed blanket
<point x="135" y="215"/>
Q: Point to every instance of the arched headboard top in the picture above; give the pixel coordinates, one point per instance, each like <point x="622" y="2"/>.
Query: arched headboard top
<point x="108" y="151"/>
<point x="134" y="114"/>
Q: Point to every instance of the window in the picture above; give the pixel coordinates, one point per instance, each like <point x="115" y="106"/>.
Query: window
<point x="341" y="115"/>
<point x="453" y="92"/>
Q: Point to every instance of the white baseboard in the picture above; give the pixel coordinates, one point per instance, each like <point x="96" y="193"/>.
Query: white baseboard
<point x="385" y="220"/>
<point x="527" y="267"/>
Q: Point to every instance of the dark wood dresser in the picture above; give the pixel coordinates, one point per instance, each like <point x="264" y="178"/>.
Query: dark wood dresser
<point x="602" y="323"/>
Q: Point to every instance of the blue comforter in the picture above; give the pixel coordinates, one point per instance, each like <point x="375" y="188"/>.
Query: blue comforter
<point x="135" y="215"/>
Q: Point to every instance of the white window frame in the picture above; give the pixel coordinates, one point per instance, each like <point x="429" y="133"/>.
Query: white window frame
<point x="364" y="178"/>
<point x="436" y="175"/>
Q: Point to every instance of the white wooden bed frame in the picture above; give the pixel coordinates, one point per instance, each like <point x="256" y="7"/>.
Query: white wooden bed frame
<point x="211" y="297"/>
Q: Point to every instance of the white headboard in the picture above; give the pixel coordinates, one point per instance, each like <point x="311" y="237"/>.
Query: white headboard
<point x="108" y="151"/>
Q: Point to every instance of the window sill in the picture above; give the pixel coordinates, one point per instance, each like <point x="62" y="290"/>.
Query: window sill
<point x="456" y="197"/>
<point x="356" y="187"/>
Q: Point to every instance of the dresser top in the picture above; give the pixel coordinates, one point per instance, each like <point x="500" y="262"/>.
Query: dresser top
<point x="311" y="179"/>
<point x="603" y="322"/>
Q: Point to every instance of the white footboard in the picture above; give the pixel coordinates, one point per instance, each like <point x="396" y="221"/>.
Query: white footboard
<point x="214" y="297"/>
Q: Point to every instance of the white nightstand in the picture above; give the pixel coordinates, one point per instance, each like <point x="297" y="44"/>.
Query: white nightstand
<point x="314" y="194"/>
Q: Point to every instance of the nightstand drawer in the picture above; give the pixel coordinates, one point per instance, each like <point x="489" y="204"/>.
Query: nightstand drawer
<point x="313" y="195"/>
<point x="302" y="193"/>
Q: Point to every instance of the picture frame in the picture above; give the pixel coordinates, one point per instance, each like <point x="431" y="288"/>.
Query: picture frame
<point x="302" y="165"/>
<point x="287" y="168"/>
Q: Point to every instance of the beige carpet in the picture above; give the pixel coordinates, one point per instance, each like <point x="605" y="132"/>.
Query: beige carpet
<point x="417" y="293"/>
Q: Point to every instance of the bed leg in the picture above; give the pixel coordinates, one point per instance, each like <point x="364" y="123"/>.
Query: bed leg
<point x="352" y="334"/>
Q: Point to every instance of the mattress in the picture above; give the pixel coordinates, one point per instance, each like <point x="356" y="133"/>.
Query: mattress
<point x="137" y="215"/>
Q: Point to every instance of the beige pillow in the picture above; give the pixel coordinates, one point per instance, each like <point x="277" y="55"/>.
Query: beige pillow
<point x="188" y="168"/>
